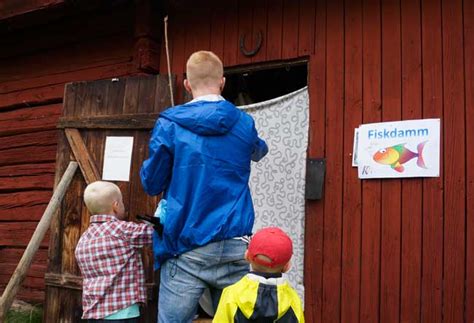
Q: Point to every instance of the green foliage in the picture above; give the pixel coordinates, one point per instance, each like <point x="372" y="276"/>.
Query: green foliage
<point x="33" y="315"/>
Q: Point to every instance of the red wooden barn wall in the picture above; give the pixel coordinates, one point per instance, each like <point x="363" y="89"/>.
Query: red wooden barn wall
<point x="376" y="250"/>
<point x="35" y="63"/>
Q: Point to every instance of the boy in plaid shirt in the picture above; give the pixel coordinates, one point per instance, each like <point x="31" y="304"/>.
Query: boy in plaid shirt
<point x="108" y="255"/>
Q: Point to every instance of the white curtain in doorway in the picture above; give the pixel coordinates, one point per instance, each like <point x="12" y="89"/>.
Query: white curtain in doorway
<point x="277" y="182"/>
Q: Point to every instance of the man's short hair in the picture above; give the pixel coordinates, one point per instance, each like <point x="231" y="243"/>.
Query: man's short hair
<point x="204" y="69"/>
<point x="99" y="197"/>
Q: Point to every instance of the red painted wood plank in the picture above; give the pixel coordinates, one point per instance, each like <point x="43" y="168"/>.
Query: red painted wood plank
<point x="41" y="138"/>
<point x="27" y="169"/>
<point x="80" y="74"/>
<point x="316" y="148"/>
<point x="371" y="189"/>
<point x="217" y="28"/>
<point x="275" y="30"/>
<point x="64" y="32"/>
<point x="23" y="213"/>
<point x="27" y="183"/>
<point x="334" y="155"/>
<point x="412" y="198"/>
<point x="29" y="119"/>
<point x="469" y="77"/>
<point x="307" y="14"/>
<point x="245" y="30"/>
<point x="351" y="213"/>
<point x="454" y="163"/>
<point x="23" y="155"/>
<point x="30" y="198"/>
<point x="431" y="284"/>
<point x="178" y="60"/>
<point x="260" y="11"/>
<point x="110" y="50"/>
<point x="9" y="234"/>
<point x="14" y="255"/>
<point x="50" y="93"/>
<point x="290" y="29"/>
<point x="32" y="97"/>
<point x="391" y="189"/>
<point x="231" y="33"/>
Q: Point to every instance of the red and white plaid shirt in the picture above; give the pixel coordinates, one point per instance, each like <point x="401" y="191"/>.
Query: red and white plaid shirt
<point x="108" y="254"/>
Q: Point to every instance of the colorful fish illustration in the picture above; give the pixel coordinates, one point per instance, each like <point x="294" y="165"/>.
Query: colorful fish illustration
<point x="398" y="155"/>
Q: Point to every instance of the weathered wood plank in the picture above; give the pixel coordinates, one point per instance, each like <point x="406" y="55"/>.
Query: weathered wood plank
<point x="82" y="155"/>
<point x="29" y="119"/>
<point x="371" y="190"/>
<point x="412" y="194"/>
<point x="63" y="281"/>
<point x="27" y="183"/>
<point x="316" y="148"/>
<point x="352" y="195"/>
<point x="259" y="24"/>
<point x="432" y="259"/>
<point x="54" y="93"/>
<point x="231" y="27"/>
<point x="19" y="7"/>
<point x="306" y="28"/>
<point x="391" y="189"/>
<point x="32" y="154"/>
<point x="13" y="255"/>
<point x="245" y="30"/>
<point x="334" y="154"/>
<point x="454" y="168"/>
<point x="27" y="170"/>
<point x="275" y="30"/>
<point x="9" y="236"/>
<point x="290" y="31"/>
<point x="469" y="110"/>
<point x="23" y="206"/>
<point x="41" y="138"/>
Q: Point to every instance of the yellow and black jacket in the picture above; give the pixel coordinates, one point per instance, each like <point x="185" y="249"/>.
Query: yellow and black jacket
<point x="259" y="298"/>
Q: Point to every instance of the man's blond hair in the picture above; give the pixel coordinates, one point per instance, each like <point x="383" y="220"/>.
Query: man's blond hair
<point x="204" y="69"/>
<point x="100" y="196"/>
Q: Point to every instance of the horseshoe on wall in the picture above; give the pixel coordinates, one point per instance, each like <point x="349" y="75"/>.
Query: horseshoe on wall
<point x="250" y="53"/>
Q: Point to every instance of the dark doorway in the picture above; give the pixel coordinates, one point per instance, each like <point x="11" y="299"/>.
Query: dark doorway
<point x="255" y="84"/>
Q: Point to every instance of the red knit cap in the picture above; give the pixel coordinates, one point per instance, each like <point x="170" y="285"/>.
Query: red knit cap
<point x="273" y="243"/>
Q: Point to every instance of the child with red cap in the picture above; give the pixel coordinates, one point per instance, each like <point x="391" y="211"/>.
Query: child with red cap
<point x="263" y="295"/>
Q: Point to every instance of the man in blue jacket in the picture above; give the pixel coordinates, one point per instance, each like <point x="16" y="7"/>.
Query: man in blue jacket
<point x="200" y="155"/>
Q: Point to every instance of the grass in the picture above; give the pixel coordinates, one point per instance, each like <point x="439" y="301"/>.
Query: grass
<point x="34" y="315"/>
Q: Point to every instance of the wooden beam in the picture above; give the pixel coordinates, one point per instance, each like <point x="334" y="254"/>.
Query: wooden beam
<point x="10" y="9"/>
<point x="125" y="121"/>
<point x="43" y="226"/>
<point x="65" y="281"/>
<point x="82" y="155"/>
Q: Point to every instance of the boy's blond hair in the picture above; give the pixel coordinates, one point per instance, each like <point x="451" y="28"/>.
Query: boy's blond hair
<point x="100" y="196"/>
<point x="204" y="69"/>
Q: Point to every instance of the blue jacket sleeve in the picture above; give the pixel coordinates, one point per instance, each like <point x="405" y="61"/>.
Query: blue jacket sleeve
<point x="260" y="148"/>
<point x="156" y="170"/>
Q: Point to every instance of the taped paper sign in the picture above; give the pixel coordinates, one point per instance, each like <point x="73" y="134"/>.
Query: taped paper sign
<point x="117" y="158"/>
<point x="398" y="149"/>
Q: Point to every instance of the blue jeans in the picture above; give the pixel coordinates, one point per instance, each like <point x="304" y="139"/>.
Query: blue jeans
<point x="184" y="279"/>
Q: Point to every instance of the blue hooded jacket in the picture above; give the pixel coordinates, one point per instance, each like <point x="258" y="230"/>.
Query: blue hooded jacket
<point x="200" y="155"/>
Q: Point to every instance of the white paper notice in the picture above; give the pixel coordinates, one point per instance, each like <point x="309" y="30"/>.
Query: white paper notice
<point x="117" y="158"/>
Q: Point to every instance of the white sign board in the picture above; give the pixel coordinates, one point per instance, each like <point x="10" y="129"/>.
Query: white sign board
<point x="117" y="158"/>
<point x="398" y="149"/>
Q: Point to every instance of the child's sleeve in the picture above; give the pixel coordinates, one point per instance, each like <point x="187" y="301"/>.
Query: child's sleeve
<point x="137" y="234"/>
<point x="226" y="309"/>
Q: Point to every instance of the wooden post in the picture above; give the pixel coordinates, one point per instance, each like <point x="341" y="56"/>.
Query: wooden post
<point x="20" y="272"/>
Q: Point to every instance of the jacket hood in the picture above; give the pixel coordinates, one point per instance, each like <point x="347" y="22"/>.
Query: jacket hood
<point x="204" y="117"/>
